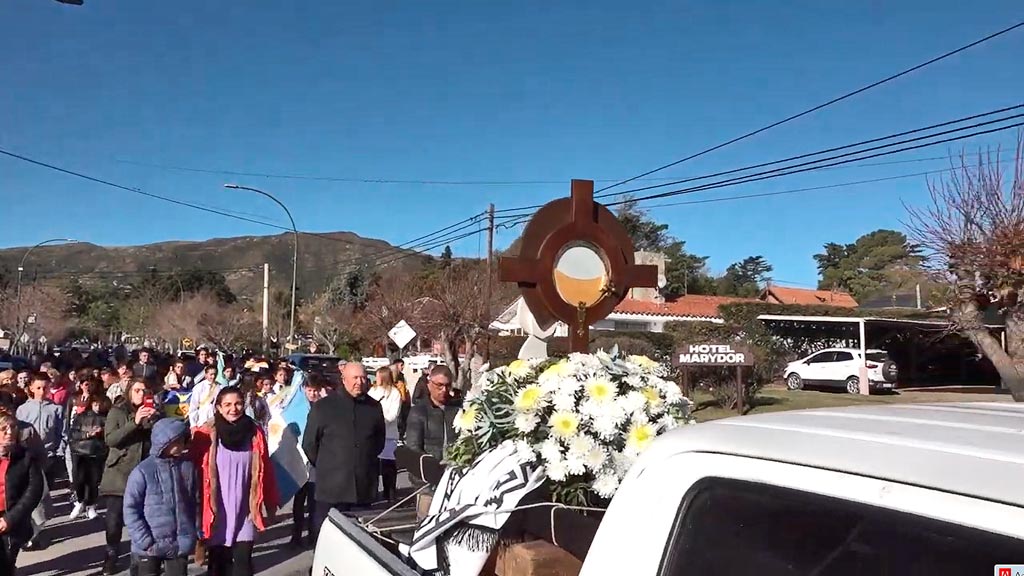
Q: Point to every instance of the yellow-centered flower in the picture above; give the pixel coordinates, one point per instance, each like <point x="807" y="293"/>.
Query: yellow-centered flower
<point x="564" y="424"/>
<point x="528" y="398"/>
<point x="600" y="390"/>
<point x="640" y="437"/>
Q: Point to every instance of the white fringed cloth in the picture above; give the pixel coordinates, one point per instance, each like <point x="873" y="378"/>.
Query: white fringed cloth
<point x="468" y="510"/>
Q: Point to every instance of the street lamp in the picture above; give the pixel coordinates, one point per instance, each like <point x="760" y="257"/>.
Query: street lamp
<point x="21" y="269"/>
<point x="295" y="245"/>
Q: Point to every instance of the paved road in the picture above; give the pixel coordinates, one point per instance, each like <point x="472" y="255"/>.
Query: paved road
<point x="77" y="548"/>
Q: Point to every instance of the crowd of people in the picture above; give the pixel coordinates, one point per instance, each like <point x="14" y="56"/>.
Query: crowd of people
<point x="196" y="482"/>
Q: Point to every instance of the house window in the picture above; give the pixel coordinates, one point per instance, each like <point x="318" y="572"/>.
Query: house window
<point x="632" y="326"/>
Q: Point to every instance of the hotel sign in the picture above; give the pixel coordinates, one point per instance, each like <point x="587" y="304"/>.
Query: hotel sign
<point x="713" y="355"/>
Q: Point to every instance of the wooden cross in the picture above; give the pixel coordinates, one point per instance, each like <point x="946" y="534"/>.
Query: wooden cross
<point x="557" y="225"/>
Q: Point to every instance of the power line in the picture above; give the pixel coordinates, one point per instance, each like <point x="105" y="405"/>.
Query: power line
<point x="846" y="147"/>
<point x="820" y="106"/>
<point x="776" y="174"/>
<point x="824" y="163"/>
<point x="808" y="189"/>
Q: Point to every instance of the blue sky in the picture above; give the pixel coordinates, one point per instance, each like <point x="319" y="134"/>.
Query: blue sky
<point x="514" y="91"/>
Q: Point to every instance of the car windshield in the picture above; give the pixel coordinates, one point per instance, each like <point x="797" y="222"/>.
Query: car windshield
<point x="880" y="357"/>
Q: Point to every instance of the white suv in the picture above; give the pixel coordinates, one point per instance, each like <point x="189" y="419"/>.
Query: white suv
<point x="841" y="367"/>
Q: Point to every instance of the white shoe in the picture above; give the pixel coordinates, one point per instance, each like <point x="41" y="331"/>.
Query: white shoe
<point x="76" y="511"/>
<point x="91" y="512"/>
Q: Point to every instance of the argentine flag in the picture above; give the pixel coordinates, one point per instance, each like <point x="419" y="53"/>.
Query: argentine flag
<point x="287" y="422"/>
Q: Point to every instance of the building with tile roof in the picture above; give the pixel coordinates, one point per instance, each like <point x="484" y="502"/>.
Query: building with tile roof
<point x="806" y="297"/>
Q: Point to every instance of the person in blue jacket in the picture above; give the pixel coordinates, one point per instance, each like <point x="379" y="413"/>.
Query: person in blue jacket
<point x="160" y="503"/>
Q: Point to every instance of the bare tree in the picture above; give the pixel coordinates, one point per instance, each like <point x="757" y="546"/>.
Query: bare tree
<point x="329" y="320"/>
<point x="391" y="299"/>
<point x="973" y="231"/>
<point x="456" y="311"/>
<point x="204" y="319"/>
<point x="45" y="304"/>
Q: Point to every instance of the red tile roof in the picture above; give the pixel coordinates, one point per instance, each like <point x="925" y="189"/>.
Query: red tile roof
<point x="684" y="306"/>
<point x="784" y="295"/>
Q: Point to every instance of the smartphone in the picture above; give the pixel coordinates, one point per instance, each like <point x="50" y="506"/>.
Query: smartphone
<point x="148" y="402"/>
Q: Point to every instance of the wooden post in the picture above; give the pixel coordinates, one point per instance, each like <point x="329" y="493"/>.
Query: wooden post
<point x="686" y="382"/>
<point x="490" y="273"/>
<point x="739" y="390"/>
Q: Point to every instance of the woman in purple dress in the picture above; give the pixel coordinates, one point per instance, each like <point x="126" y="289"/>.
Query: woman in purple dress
<point x="239" y="495"/>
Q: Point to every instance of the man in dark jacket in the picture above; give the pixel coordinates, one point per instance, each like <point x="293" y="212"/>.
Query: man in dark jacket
<point x="344" y="435"/>
<point x="419" y="392"/>
<point x="145" y="369"/>
<point x="430" y="429"/>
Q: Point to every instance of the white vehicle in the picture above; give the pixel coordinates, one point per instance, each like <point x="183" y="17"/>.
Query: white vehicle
<point x="373" y="363"/>
<point x="841" y="367"/>
<point x="895" y="489"/>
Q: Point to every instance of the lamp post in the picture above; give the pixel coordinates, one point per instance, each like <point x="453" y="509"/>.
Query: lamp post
<point x="21" y="270"/>
<point x="295" y="247"/>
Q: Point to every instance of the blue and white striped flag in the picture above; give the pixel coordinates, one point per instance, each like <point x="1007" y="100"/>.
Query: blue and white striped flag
<point x="287" y="423"/>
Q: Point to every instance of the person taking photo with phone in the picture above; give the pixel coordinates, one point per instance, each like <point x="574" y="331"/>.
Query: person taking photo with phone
<point x="127" y="433"/>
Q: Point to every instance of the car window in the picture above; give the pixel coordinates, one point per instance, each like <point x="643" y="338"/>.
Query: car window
<point x="880" y="357"/>
<point x="823" y="357"/>
<point x="843" y="356"/>
<point x="728" y="527"/>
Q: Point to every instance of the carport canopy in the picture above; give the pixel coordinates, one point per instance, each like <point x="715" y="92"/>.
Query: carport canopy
<point x="845" y="328"/>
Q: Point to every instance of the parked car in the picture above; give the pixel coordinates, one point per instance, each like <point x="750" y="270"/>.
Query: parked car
<point x="321" y="364"/>
<point x="891" y="489"/>
<point x="840" y="367"/>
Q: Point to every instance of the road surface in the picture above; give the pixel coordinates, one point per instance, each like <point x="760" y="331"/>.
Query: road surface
<point x="77" y="548"/>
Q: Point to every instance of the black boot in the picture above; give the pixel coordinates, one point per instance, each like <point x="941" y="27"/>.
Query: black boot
<point x="110" y="563"/>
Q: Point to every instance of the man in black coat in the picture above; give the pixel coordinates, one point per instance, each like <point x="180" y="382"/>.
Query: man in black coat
<point x="343" y="438"/>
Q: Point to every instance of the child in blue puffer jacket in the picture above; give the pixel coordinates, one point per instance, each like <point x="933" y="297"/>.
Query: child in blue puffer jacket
<point x="160" y="503"/>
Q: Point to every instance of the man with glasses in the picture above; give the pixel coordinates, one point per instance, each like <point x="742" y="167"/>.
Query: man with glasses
<point x="429" y="429"/>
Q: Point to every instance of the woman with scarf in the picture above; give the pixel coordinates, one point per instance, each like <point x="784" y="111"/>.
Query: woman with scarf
<point x="21" y="490"/>
<point x="239" y="493"/>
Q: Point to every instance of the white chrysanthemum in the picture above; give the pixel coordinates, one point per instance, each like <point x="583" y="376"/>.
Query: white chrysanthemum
<point x="557" y="471"/>
<point x="622" y="462"/>
<point x="639" y="437"/>
<point x="529" y="399"/>
<point x="519" y="369"/>
<point x="666" y="423"/>
<point x="564" y="401"/>
<point x="643" y="362"/>
<point x="603" y="356"/>
<point x="564" y="424"/>
<point x="526" y="423"/>
<point x="601" y="390"/>
<point x="654" y="401"/>
<point x="584" y="362"/>
<point x="466" y="420"/>
<point x="575" y="464"/>
<point x="633" y="402"/>
<point x="605" y="485"/>
<point x="595" y="458"/>
<point x="635" y="381"/>
<point x="552" y="377"/>
<point x="551" y="450"/>
<point x="606" y="425"/>
<point x="524" y="452"/>
<point x="578" y="446"/>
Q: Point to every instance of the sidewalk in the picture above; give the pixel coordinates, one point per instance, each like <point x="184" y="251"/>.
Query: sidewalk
<point x="77" y="548"/>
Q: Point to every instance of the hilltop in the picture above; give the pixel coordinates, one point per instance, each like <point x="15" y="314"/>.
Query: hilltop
<point x="240" y="259"/>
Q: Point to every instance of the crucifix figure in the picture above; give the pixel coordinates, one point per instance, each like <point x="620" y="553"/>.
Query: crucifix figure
<point x="575" y="264"/>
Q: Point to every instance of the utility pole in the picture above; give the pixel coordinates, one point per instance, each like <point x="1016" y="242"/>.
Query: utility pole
<point x="266" y="304"/>
<point x="490" y="273"/>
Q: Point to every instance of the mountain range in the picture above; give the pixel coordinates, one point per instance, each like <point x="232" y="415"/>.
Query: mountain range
<point x="240" y="259"/>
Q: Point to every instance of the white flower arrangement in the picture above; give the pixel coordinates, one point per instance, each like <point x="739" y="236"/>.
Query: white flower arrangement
<point x="584" y="418"/>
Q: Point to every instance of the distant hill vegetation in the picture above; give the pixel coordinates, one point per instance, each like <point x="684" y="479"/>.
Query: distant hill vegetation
<point x="239" y="259"/>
